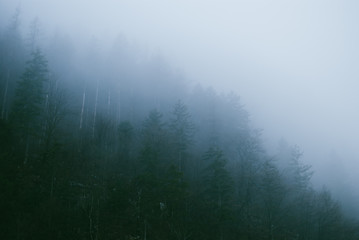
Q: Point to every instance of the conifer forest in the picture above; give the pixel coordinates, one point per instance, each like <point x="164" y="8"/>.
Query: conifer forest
<point x="111" y="143"/>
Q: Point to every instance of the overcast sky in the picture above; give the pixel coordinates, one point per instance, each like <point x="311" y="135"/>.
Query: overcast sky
<point x="293" y="62"/>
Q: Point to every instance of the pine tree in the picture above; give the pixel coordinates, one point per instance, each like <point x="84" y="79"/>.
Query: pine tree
<point x="28" y="106"/>
<point x="218" y="192"/>
<point x="12" y="60"/>
<point x="182" y="130"/>
<point x="272" y="195"/>
<point x="125" y="138"/>
<point x="29" y="99"/>
<point x="153" y="140"/>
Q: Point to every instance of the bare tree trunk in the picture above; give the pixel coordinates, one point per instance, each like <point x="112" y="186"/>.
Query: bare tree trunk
<point x="52" y="186"/>
<point x="82" y="107"/>
<point x="5" y="95"/>
<point x="180" y="161"/>
<point x="109" y="103"/>
<point x="98" y="218"/>
<point x="26" y="150"/>
<point x="145" y="233"/>
<point x="90" y="219"/>
<point x="95" y="112"/>
<point x="44" y="126"/>
<point x="18" y="228"/>
<point x="119" y="107"/>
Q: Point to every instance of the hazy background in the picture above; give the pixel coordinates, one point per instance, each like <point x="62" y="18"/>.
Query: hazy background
<point x="294" y="63"/>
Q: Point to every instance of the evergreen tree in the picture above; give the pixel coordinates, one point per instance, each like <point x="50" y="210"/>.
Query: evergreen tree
<point x="273" y="193"/>
<point x="12" y="60"/>
<point x="153" y="141"/>
<point x="176" y="214"/>
<point x="125" y="138"/>
<point x="218" y="192"/>
<point x="182" y="130"/>
<point x="30" y="95"/>
<point x="328" y="216"/>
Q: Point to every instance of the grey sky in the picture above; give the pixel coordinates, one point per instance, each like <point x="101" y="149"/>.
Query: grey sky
<point x="294" y="63"/>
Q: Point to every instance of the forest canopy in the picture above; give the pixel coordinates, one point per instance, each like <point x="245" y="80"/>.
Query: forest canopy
<point x="121" y="146"/>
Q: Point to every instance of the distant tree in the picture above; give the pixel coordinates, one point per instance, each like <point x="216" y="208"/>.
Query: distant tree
<point x="300" y="198"/>
<point x="182" y="130"/>
<point x="148" y="191"/>
<point x="8" y="179"/>
<point x="153" y="141"/>
<point x="218" y="192"/>
<point x="329" y="217"/>
<point x="273" y="193"/>
<point x="56" y="109"/>
<point x="12" y="60"/>
<point x="247" y="169"/>
<point x="34" y="34"/>
<point x="297" y="173"/>
<point x="29" y="103"/>
<point x="125" y="139"/>
<point x="174" y="210"/>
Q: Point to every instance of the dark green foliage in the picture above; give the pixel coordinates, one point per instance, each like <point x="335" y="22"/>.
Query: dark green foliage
<point x="125" y="134"/>
<point x="328" y="216"/>
<point x="153" y="143"/>
<point x="218" y="192"/>
<point x="182" y="130"/>
<point x="98" y="164"/>
<point x="181" y="126"/>
<point x="125" y="141"/>
<point x="30" y="95"/>
<point x="272" y="194"/>
<point x="218" y="182"/>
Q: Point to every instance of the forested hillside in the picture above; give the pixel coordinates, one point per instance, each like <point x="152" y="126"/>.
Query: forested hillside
<point x="118" y="145"/>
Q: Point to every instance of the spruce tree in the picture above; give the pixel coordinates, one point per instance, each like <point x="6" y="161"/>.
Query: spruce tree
<point x="182" y="130"/>
<point x="218" y="193"/>
<point x="29" y="103"/>
<point x="29" y="96"/>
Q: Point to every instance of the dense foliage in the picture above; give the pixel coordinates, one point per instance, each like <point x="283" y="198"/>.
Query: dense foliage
<point x="119" y="147"/>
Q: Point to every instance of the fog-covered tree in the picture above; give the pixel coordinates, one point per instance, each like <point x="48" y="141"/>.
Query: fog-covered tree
<point x="328" y="217"/>
<point x="273" y="192"/>
<point x="182" y="130"/>
<point x="217" y="193"/>
<point x="29" y="103"/>
<point x="12" y="60"/>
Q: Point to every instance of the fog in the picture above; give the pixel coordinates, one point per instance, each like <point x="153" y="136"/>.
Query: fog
<point x="293" y="63"/>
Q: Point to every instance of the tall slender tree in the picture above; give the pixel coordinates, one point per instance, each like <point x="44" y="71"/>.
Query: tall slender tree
<point x="218" y="192"/>
<point x="29" y="102"/>
<point x="182" y="130"/>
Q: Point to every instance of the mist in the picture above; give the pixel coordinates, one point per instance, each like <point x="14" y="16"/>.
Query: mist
<point x="292" y="63"/>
